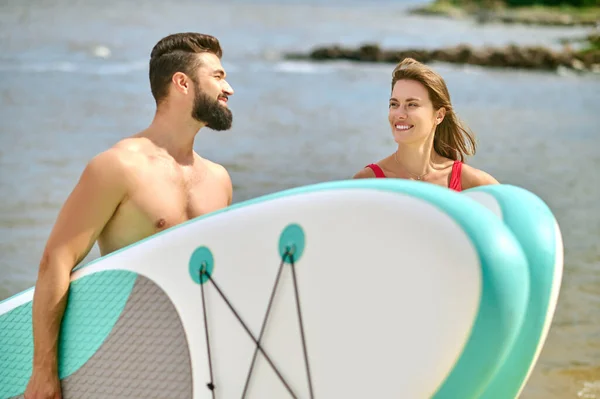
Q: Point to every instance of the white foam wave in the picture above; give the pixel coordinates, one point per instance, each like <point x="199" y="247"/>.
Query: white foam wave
<point x="104" y="68"/>
<point x="302" y="67"/>
<point x="315" y="67"/>
<point x="591" y="390"/>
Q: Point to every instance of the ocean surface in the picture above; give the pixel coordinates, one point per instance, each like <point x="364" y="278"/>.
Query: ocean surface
<point x="73" y="80"/>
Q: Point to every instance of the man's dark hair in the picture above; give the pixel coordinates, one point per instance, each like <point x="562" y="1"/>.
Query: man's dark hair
<point x="178" y="53"/>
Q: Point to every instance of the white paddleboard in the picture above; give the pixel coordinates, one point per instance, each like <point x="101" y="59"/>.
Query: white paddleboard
<point x="369" y="288"/>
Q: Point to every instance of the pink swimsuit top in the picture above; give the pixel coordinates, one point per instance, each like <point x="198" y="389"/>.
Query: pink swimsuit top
<point x="455" y="182"/>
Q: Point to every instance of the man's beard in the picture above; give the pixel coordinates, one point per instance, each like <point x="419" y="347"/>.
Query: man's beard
<point x="208" y="110"/>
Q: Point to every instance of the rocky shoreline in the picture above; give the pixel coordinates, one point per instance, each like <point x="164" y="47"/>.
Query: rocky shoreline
<point x="511" y="56"/>
<point x="541" y="16"/>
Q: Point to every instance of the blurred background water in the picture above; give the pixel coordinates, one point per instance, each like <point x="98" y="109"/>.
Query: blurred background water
<point x="73" y="80"/>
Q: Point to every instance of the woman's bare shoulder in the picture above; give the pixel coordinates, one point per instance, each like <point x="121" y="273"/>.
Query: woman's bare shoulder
<point x="364" y="173"/>
<point x="473" y="177"/>
<point x="367" y="172"/>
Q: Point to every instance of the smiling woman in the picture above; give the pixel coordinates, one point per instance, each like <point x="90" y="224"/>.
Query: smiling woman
<point x="432" y="143"/>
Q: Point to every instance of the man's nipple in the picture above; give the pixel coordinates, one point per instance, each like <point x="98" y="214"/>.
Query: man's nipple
<point x="161" y="223"/>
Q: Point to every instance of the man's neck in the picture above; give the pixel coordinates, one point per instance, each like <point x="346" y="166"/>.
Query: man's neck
<point x="175" y="134"/>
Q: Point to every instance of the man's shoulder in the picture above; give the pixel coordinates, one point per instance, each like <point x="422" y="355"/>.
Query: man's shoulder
<point x="133" y="148"/>
<point x="116" y="162"/>
<point x="121" y="155"/>
<point x="215" y="168"/>
<point x="222" y="175"/>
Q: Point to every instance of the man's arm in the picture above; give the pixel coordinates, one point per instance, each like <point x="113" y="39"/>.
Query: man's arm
<point x="224" y="177"/>
<point x="229" y="186"/>
<point x="82" y="218"/>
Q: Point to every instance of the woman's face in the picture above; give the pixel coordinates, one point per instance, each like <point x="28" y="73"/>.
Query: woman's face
<point x="411" y="114"/>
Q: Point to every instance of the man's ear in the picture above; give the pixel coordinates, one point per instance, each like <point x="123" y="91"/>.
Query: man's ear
<point x="181" y="82"/>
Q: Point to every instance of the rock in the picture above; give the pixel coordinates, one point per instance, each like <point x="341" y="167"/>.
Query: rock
<point x="577" y="65"/>
<point x="326" y="53"/>
<point x="459" y="54"/>
<point x="370" y="53"/>
<point x="489" y="13"/>
<point x="510" y="56"/>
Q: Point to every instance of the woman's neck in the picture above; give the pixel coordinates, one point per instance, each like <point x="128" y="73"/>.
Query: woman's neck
<point x="416" y="159"/>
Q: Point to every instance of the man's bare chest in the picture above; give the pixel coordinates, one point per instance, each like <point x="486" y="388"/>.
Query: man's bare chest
<point x="155" y="203"/>
<point x="167" y="204"/>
